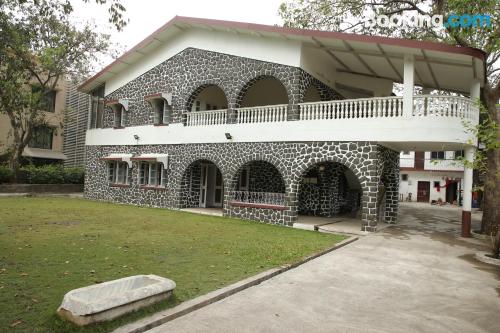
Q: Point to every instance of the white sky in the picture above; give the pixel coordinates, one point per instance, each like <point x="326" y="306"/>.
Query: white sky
<point x="148" y="15"/>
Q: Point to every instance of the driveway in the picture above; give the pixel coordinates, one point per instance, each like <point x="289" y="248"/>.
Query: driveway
<point x="418" y="276"/>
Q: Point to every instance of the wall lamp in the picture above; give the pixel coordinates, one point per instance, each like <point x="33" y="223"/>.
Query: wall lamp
<point x="136" y="137"/>
<point x="228" y="136"/>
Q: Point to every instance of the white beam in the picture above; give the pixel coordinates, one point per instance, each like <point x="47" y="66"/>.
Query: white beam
<point x="469" y="153"/>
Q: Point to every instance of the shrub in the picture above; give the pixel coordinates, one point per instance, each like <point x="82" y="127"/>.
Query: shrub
<point x="5" y="174"/>
<point x="45" y="174"/>
<point x="73" y="175"/>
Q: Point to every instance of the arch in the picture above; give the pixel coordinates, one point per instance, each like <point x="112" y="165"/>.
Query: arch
<point x="201" y="184"/>
<point x="273" y="160"/>
<point x="258" y="175"/>
<point x="327" y="189"/>
<point x="210" y="96"/>
<point x="263" y="90"/>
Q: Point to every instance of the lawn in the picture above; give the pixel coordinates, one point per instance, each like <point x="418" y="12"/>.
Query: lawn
<point x="49" y="246"/>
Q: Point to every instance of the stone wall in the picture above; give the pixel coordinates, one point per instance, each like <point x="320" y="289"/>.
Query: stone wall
<point x="185" y="74"/>
<point x="291" y="160"/>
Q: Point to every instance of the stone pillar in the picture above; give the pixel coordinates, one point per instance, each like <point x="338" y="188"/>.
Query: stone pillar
<point x="467" y="192"/>
<point x="370" y="194"/>
<point x="408" y="84"/>
<point x="391" y="178"/>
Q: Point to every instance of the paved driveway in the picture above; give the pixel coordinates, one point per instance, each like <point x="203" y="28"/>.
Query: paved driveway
<point x="414" y="277"/>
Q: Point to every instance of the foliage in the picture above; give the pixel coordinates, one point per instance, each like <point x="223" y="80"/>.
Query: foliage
<point x="53" y="245"/>
<point x="5" y="174"/>
<point x="52" y="174"/>
<point x="39" y="46"/>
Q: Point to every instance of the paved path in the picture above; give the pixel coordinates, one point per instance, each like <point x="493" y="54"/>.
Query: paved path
<point x="414" y="277"/>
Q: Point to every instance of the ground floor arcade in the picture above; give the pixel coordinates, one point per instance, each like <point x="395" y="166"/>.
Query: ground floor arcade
<point x="272" y="182"/>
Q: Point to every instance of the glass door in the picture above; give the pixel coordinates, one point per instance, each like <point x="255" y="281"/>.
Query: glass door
<point x="219" y="189"/>
<point x="203" y="185"/>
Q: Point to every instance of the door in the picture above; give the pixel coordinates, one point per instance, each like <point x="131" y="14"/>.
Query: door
<point x="204" y="185"/>
<point x="218" y="189"/>
<point x="423" y="191"/>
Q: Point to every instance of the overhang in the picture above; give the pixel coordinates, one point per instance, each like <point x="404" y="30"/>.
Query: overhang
<point x="43" y="153"/>
<point x="437" y="65"/>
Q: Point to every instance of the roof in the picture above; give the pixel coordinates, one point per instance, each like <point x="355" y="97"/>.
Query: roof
<point x="340" y="47"/>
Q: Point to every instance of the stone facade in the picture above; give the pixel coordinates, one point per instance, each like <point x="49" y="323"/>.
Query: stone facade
<point x="277" y="167"/>
<point x="291" y="160"/>
<point x="188" y="72"/>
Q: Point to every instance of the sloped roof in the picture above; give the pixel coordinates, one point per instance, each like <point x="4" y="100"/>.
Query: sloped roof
<point x="351" y="53"/>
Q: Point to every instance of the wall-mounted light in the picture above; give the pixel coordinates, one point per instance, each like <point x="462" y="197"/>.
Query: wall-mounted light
<point x="228" y="136"/>
<point x="136" y="137"/>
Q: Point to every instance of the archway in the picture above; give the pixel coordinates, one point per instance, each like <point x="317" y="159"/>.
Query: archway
<point x="258" y="182"/>
<point x="262" y="90"/>
<point x="329" y="190"/>
<point x="202" y="185"/>
<point x="312" y="94"/>
<point x="207" y="97"/>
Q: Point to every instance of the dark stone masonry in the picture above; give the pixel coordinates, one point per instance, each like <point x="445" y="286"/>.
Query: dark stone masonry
<point x="315" y="178"/>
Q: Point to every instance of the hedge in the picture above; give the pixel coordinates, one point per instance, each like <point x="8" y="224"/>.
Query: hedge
<point x="45" y="174"/>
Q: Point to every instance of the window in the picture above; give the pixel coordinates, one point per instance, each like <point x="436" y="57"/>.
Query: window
<point x="97" y="108"/>
<point x="437" y="155"/>
<point x="42" y="138"/>
<point x="404" y="177"/>
<point x="152" y="174"/>
<point x="118" y="172"/>
<point x="159" y="106"/>
<point x="119" y="112"/>
<point x="406" y="153"/>
<point x="47" y="99"/>
<point x="437" y="184"/>
<point x="459" y="154"/>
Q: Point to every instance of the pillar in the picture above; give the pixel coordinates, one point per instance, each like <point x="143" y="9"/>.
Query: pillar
<point x="408" y="84"/>
<point x="467" y="192"/>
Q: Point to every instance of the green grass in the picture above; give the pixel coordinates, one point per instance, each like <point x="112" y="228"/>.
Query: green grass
<point x="49" y="246"/>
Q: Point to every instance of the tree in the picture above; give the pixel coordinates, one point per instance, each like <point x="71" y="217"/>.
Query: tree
<point x="39" y="46"/>
<point x="343" y="15"/>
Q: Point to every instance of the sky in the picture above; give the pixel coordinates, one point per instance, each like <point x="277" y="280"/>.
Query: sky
<point x="148" y="15"/>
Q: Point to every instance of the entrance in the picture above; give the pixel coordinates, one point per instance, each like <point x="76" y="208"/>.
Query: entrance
<point x="423" y="191"/>
<point x="211" y="186"/>
<point x="451" y="192"/>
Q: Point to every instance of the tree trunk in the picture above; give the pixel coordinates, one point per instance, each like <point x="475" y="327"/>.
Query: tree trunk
<point x="490" y="221"/>
<point x="15" y="161"/>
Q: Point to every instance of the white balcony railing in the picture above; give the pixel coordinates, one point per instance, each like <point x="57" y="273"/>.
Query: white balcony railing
<point x="376" y="107"/>
<point x="201" y="118"/>
<point x="262" y="114"/>
<point x="445" y="106"/>
<point x="265" y="198"/>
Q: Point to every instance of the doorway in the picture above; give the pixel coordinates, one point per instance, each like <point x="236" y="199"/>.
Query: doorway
<point x="211" y="186"/>
<point x="423" y="191"/>
<point x="451" y="192"/>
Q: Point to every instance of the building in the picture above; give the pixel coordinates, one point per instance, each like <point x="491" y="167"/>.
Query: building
<point x="270" y="124"/>
<point x="431" y="176"/>
<point x="75" y="126"/>
<point x="46" y="146"/>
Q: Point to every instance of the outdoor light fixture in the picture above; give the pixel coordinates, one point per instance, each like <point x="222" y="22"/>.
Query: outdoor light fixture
<point x="136" y="137"/>
<point x="228" y="136"/>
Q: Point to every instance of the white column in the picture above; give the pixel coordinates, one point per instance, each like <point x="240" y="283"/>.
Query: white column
<point x="408" y="84"/>
<point x="475" y="89"/>
<point x="469" y="152"/>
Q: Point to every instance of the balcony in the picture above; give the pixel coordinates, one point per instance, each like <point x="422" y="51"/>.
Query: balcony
<point x="430" y="106"/>
<point x="432" y="123"/>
